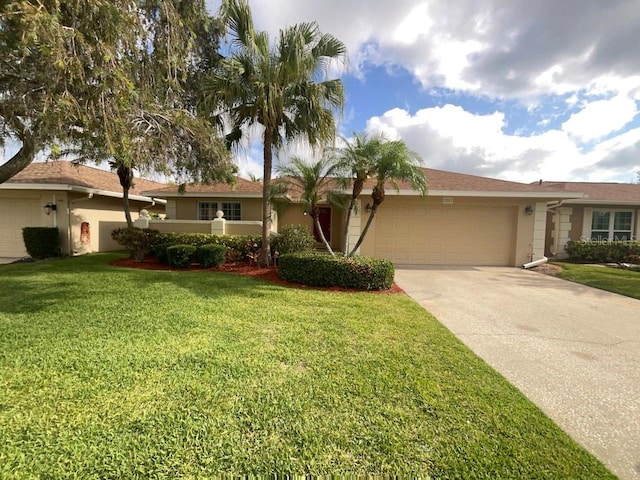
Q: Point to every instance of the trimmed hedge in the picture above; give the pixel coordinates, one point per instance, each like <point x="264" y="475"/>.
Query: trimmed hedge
<point x="239" y="247"/>
<point x="323" y="270"/>
<point x="602" y="251"/>
<point x="139" y="242"/>
<point x="181" y="256"/>
<point x="42" y="242"/>
<point x="211" y="255"/>
<point x="293" y="239"/>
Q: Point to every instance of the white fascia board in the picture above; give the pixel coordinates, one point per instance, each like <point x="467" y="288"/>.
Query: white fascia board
<point x="479" y="193"/>
<point x="76" y="188"/>
<point x="202" y="194"/>
<point x="586" y="201"/>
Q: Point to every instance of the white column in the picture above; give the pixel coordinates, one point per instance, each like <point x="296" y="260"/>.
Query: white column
<point x="218" y="224"/>
<point x="562" y="230"/>
<point x="539" y="230"/>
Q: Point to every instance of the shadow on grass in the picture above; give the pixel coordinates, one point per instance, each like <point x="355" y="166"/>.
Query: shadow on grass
<point x="33" y="287"/>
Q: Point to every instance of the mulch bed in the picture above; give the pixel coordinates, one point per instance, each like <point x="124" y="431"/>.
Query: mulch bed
<point x="268" y="274"/>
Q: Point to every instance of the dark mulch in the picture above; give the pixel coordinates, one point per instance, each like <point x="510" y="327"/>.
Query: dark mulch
<point x="268" y="274"/>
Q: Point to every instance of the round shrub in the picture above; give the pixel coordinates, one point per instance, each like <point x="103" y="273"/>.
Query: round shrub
<point x="293" y="239"/>
<point x="139" y="242"/>
<point x="42" y="242"/>
<point x="211" y="255"/>
<point x="323" y="270"/>
<point x="181" y="256"/>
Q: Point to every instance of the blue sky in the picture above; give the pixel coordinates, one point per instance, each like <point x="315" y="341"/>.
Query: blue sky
<point x="520" y="90"/>
<point x="517" y="90"/>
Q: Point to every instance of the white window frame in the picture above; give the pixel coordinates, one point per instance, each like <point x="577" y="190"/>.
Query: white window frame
<point x="612" y="215"/>
<point x="214" y="206"/>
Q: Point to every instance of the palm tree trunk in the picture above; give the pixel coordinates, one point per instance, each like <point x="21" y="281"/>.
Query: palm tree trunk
<point x="265" y="252"/>
<point x="352" y="204"/>
<point x="374" y="209"/>
<point x="127" y="208"/>
<point x="316" y="220"/>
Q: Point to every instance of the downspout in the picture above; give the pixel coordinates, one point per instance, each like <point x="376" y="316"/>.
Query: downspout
<point x="69" y="209"/>
<point x="552" y="208"/>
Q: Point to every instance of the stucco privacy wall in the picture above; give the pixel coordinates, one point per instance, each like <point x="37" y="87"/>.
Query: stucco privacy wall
<point x="187" y="208"/>
<point x="491" y="230"/>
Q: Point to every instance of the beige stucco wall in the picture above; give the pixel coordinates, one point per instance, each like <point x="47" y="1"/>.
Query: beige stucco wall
<point x="187" y="208"/>
<point x="24" y="208"/>
<point x="294" y="215"/>
<point x="527" y="230"/>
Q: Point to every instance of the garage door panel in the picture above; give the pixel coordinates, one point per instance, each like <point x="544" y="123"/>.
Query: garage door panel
<point x="15" y="214"/>
<point x="446" y="235"/>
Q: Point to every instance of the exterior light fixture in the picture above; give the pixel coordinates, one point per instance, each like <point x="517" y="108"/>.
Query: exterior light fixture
<point x="368" y="207"/>
<point x="49" y="207"/>
<point x="528" y="210"/>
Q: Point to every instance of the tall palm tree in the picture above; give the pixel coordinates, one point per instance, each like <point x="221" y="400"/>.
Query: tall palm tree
<point x="281" y="87"/>
<point x="313" y="183"/>
<point x="394" y="162"/>
<point x="359" y="157"/>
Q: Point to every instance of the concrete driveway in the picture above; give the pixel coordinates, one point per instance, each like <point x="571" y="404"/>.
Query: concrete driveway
<point x="573" y="350"/>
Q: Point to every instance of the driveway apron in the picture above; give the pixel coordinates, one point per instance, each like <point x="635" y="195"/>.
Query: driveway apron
<point x="573" y="350"/>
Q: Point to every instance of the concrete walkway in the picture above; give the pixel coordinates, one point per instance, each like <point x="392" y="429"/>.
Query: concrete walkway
<point x="573" y="350"/>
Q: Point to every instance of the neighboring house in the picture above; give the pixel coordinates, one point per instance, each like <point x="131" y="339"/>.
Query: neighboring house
<point x="609" y="211"/>
<point x="464" y="220"/>
<point x="84" y="203"/>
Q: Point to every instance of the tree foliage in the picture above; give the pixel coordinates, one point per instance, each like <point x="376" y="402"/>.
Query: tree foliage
<point x="108" y="79"/>
<point x="387" y="162"/>
<point x="281" y="86"/>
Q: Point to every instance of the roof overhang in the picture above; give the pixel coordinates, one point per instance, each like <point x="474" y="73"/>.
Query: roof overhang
<point x="75" y="188"/>
<point x="188" y="194"/>
<point x="587" y="201"/>
<point x="479" y="194"/>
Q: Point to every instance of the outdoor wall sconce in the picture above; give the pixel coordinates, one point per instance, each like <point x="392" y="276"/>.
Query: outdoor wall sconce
<point x="49" y="207"/>
<point x="367" y="207"/>
<point x="528" y="210"/>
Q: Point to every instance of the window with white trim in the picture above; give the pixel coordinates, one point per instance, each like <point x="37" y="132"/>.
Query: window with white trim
<point x="611" y="225"/>
<point x="231" y="210"/>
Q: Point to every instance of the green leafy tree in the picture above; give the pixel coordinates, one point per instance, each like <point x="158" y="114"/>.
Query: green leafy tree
<point x="312" y="183"/>
<point x="282" y="87"/>
<point x="392" y="161"/>
<point x="108" y="80"/>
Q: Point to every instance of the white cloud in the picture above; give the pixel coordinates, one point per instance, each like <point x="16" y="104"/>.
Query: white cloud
<point x="600" y="118"/>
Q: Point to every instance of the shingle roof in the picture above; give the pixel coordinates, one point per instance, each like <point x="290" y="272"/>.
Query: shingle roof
<point x="609" y="192"/>
<point x="66" y="173"/>
<point x="240" y="186"/>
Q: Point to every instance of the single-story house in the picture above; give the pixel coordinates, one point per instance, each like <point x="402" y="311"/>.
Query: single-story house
<point x="464" y="220"/>
<point x="84" y="203"/>
<point x="608" y="211"/>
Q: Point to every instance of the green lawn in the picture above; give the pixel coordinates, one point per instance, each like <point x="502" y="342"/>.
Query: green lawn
<point x="617" y="280"/>
<point x="118" y="373"/>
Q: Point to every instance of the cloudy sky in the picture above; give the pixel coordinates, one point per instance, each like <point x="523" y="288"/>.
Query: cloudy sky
<point x="513" y="89"/>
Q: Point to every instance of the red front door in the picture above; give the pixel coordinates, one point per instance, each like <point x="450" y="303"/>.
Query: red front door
<point x="325" y="222"/>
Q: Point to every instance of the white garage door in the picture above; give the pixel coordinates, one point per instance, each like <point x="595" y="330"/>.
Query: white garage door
<point x="445" y="234"/>
<point x="14" y="215"/>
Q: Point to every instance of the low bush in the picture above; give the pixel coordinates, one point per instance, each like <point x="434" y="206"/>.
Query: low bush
<point x="239" y="247"/>
<point x="42" y="242"/>
<point x="211" y="255"/>
<point x="139" y="242"/>
<point x="601" y="251"/>
<point x="292" y="239"/>
<point x="323" y="270"/>
<point x="181" y="256"/>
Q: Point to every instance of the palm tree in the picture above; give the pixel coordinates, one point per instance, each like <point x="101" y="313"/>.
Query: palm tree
<point x="359" y="157"/>
<point x="394" y="162"/>
<point x="312" y="182"/>
<point x="281" y="87"/>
